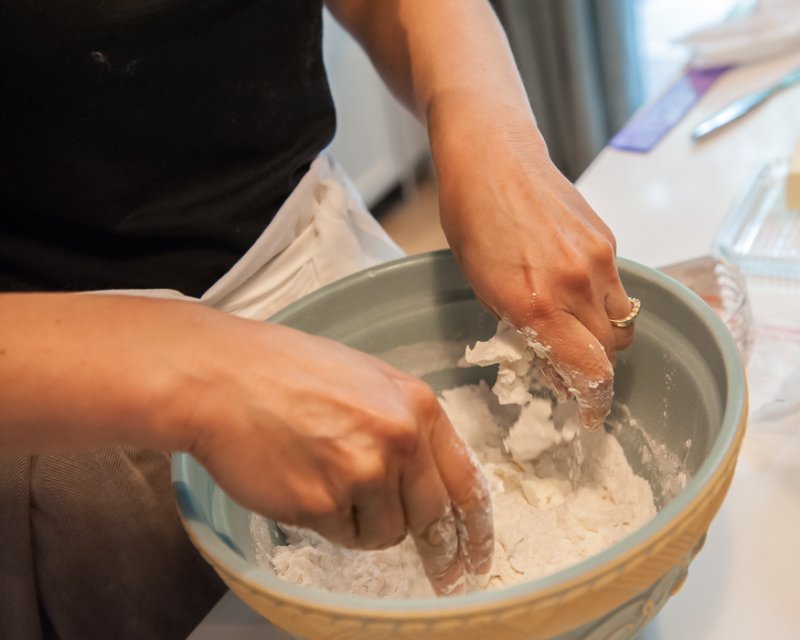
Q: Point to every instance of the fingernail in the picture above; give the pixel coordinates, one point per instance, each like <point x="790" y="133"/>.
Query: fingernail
<point x="456" y="588"/>
<point x="481" y="580"/>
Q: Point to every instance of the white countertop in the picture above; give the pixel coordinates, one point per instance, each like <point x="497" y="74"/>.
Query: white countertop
<point x="665" y="206"/>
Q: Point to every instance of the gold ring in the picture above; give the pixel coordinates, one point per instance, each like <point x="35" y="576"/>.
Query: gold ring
<point x="636" y="306"/>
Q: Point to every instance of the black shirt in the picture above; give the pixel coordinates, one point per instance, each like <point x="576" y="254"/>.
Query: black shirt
<point x="148" y="143"/>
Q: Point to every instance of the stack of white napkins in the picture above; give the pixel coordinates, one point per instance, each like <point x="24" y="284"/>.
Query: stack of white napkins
<point x="771" y="27"/>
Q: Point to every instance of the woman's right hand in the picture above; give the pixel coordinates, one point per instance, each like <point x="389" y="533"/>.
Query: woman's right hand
<point x="310" y="432"/>
<point x="298" y="428"/>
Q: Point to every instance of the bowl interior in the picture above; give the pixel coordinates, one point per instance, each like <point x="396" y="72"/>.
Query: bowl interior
<point x="681" y="382"/>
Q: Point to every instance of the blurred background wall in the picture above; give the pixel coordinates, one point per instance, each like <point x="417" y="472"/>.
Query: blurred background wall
<point x="581" y="66"/>
<point x="586" y="64"/>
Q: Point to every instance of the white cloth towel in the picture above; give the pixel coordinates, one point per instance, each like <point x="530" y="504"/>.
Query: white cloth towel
<point x="322" y="232"/>
<point x="771" y="28"/>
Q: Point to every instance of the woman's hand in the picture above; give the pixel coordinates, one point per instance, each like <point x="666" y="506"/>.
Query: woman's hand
<point x="316" y="434"/>
<point x="533" y="250"/>
<point x="298" y="428"/>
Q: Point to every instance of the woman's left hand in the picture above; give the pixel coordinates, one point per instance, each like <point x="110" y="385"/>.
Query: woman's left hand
<point x="534" y="251"/>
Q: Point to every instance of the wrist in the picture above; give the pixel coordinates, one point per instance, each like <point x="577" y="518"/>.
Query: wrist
<point x="491" y="143"/>
<point x="187" y="381"/>
<point x="466" y="130"/>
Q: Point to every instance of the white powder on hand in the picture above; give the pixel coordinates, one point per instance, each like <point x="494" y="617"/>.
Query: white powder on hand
<point x="560" y="493"/>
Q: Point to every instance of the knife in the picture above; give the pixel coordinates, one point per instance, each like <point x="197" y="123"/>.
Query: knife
<point x="743" y="105"/>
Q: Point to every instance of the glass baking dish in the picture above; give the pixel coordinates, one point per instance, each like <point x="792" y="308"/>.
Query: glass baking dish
<point x="761" y="235"/>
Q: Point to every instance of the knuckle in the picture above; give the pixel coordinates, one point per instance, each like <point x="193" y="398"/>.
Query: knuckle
<point x="387" y="542"/>
<point x="421" y="392"/>
<point x="612" y="240"/>
<point x="425" y="403"/>
<point x="473" y="497"/>
<point x="366" y="473"/>
<point x="537" y="308"/>
<point x="312" y="507"/>
<point x="601" y="249"/>
<point x="437" y="534"/>
<point x="438" y="544"/>
<point x="389" y="442"/>
<point x="577" y="276"/>
<point x="404" y="435"/>
<point x="544" y="311"/>
<point x="607" y="243"/>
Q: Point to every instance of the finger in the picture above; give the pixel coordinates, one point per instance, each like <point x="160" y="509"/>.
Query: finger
<point x="338" y="526"/>
<point x="432" y="524"/>
<point x="596" y="321"/>
<point x="618" y="305"/>
<point x="488" y="306"/>
<point x="553" y="380"/>
<point x="469" y="493"/>
<point x="581" y="362"/>
<point x="595" y="316"/>
<point x="379" y="517"/>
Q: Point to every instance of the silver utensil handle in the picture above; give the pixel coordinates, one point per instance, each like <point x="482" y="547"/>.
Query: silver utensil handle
<point x="731" y="113"/>
<point x="744" y="105"/>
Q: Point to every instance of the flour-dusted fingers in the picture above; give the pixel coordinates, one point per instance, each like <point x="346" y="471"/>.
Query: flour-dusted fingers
<point x="432" y="524"/>
<point x="603" y="300"/>
<point x="582" y="364"/>
<point x="446" y="499"/>
<point x="469" y="494"/>
<point x="553" y="380"/>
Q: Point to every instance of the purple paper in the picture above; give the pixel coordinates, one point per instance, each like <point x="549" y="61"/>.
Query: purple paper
<point x="648" y="125"/>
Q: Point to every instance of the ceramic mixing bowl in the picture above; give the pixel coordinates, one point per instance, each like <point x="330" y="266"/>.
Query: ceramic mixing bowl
<point x="680" y="417"/>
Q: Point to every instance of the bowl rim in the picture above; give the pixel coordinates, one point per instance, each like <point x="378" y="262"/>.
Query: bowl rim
<point x="258" y="580"/>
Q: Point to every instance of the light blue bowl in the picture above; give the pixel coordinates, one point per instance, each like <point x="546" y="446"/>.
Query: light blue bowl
<point x="682" y="380"/>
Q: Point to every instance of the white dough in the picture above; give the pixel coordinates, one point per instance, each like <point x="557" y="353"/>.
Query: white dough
<point x="560" y="493"/>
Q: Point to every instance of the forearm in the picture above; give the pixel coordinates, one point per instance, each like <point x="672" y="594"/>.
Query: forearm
<point x="74" y="372"/>
<point x="274" y="414"/>
<point x="442" y="55"/>
<point x="450" y="62"/>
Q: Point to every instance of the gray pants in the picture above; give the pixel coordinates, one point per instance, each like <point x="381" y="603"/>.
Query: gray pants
<point x="91" y="547"/>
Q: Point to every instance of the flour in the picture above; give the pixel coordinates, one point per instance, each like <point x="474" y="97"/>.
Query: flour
<point x="560" y="493"/>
